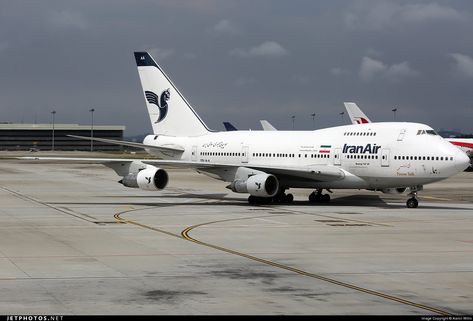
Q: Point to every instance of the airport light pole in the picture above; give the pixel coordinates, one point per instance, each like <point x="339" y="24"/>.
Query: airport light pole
<point x="54" y="114"/>
<point x="313" y="120"/>
<point x="293" y="118"/>
<point x="341" y="114"/>
<point x="394" y="111"/>
<point x="92" y="130"/>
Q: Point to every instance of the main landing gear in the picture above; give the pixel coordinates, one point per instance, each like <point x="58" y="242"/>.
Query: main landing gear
<point x="317" y="197"/>
<point x="280" y="198"/>
<point x="283" y="198"/>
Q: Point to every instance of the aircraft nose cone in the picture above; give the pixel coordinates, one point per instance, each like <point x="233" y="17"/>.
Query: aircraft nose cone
<point x="462" y="161"/>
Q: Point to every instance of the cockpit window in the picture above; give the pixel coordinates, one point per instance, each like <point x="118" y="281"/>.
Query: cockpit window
<point x="426" y="132"/>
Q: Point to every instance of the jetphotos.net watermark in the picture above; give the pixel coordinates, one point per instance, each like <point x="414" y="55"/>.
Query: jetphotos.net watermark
<point x="34" y="317"/>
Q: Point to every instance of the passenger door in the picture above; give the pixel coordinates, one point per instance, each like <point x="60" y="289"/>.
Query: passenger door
<point x="385" y="157"/>
<point x="244" y="154"/>
<point x="337" y="157"/>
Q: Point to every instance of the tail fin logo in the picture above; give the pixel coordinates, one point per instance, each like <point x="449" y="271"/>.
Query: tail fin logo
<point x="162" y="103"/>
<point x="361" y="120"/>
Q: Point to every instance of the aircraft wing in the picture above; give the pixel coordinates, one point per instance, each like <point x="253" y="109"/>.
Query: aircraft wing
<point x="315" y="173"/>
<point x="319" y="173"/>
<point x="173" y="148"/>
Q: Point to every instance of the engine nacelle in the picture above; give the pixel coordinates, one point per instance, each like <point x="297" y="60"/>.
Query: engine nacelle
<point x="398" y="190"/>
<point x="263" y="185"/>
<point x="150" y="179"/>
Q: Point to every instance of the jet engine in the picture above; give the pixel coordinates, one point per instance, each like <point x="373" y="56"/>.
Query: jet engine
<point x="398" y="190"/>
<point x="150" y="179"/>
<point x="262" y="185"/>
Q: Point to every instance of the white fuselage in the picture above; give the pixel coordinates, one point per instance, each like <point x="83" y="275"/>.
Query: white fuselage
<point x="372" y="156"/>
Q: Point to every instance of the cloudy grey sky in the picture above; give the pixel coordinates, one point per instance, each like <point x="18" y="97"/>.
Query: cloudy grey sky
<point x="239" y="61"/>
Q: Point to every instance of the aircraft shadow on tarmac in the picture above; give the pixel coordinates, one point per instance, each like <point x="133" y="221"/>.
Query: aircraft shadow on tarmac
<point x="344" y="201"/>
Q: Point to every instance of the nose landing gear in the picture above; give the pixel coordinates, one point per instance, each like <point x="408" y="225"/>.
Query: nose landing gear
<point x="413" y="202"/>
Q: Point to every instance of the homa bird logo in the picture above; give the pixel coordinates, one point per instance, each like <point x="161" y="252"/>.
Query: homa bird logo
<point x="162" y="103"/>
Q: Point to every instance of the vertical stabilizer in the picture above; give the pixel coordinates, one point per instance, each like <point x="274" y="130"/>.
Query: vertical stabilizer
<point x="229" y="126"/>
<point x="355" y="114"/>
<point x="267" y="125"/>
<point x="169" y="111"/>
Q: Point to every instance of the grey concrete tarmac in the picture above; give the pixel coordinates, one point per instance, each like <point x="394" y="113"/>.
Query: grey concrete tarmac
<point x="64" y="250"/>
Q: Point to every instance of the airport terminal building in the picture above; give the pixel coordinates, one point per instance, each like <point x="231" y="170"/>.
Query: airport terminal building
<point x="45" y="137"/>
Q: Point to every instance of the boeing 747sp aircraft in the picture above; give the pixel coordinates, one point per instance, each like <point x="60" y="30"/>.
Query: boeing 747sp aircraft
<point x="387" y="157"/>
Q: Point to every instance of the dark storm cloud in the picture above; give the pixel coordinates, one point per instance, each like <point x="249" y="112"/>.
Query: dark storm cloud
<point x="240" y="60"/>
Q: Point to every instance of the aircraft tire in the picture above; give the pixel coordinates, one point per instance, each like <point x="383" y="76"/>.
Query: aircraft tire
<point x="412" y="203"/>
<point x="289" y="198"/>
<point x="325" y="198"/>
<point x="313" y="197"/>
